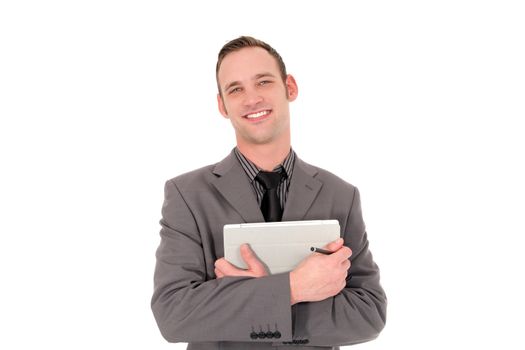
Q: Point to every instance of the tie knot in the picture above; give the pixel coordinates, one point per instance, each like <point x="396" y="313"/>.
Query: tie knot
<point x="270" y="179"/>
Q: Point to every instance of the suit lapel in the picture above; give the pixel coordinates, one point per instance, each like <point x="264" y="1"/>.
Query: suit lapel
<point x="304" y="187"/>
<point x="235" y="187"/>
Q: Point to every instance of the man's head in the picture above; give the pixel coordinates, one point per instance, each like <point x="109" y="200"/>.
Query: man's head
<point x="243" y="42"/>
<point x="255" y="91"/>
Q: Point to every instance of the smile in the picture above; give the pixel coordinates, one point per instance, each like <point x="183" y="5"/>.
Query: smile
<point x="258" y="115"/>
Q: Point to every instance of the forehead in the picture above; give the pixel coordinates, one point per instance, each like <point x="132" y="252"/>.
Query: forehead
<point x="246" y="63"/>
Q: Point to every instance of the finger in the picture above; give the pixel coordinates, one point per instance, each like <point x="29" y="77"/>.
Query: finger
<point x="249" y="257"/>
<point x="219" y="263"/>
<point x="335" y="245"/>
<point x="218" y="273"/>
<point x="344" y="253"/>
<point x="228" y="269"/>
<point x="343" y="285"/>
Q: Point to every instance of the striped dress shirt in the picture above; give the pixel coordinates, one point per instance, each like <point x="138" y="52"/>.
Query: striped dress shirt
<point x="252" y="170"/>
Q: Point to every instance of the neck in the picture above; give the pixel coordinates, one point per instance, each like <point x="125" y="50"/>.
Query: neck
<point x="265" y="156"/>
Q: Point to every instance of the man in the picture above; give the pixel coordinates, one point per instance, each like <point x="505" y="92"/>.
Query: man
<point x="199" y="297"/>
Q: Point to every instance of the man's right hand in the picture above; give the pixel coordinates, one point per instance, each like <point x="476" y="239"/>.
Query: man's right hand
<point x="320" y="276"/>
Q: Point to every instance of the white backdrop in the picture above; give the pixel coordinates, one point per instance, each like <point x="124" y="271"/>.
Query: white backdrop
<point x="417" y="103"/>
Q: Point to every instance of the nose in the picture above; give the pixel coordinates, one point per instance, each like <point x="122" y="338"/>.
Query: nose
<point x="252" y="97"/>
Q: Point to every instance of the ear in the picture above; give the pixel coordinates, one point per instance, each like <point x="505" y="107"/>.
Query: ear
<point x="292" y="88"/>
<point x="222" y="108"/>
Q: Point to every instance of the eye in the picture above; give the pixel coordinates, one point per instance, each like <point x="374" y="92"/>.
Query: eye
<point x="235" y="90"/>
<point x="264" y="82"/>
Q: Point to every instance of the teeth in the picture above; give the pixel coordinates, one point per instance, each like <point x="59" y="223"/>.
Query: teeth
<point x="257" y="115"/>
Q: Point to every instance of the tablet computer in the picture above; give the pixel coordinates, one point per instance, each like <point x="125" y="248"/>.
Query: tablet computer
<point x="281" y="246"/>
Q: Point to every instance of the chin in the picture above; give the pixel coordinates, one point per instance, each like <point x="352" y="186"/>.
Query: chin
<point x="258" y="139"/>
<point x="264" y="137"/>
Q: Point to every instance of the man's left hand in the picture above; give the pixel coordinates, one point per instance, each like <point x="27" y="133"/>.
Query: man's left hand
<point x="255" y="267"/>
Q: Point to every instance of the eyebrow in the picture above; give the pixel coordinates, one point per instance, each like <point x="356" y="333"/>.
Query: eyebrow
<point x="257" y="76"/>
<point x="263" y="75"/>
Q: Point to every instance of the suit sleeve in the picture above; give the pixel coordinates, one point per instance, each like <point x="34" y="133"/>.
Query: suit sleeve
<point x="189" y="306"/>
<point x="358" y="313"/>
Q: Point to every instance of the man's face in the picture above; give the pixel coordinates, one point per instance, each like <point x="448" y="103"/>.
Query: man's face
<point x="254" y="96"/>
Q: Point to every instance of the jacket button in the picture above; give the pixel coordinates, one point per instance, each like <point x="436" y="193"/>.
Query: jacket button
<point x="306" y="341"/>
<point x="277" y="334"/>
<point x="295" y="341"/>
<point x="254" y="335"/>
<point x="269" y="335"/>
<point x="262" y="335"/>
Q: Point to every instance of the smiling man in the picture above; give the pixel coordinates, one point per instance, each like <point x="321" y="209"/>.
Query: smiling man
<point x="199" y="297"/>
<point x="255" y="97"/>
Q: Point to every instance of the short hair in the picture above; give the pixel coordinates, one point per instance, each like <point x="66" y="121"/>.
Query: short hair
<point x="247" y="41"/>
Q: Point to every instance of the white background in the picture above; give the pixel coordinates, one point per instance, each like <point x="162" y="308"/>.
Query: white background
<point x="418" y="103"/>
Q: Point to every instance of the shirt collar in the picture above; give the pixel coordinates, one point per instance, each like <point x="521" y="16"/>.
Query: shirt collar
<point x="251" y="169"/>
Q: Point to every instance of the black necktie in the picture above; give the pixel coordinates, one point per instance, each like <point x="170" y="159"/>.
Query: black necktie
<point x="270" y="205"/>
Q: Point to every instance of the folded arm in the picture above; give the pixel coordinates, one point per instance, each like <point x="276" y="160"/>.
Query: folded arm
<point x="189" y="306"/>
<point x="357" y="313"/>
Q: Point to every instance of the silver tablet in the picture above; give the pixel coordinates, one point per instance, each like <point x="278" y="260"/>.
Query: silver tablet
<point x="280" y="245"/>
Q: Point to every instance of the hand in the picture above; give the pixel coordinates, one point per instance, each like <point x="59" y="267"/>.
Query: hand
<point x="255" y="267"/>
<point x="320" y="276"/>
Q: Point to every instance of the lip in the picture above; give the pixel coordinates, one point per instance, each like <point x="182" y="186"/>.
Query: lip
<point x="265" y="116"/>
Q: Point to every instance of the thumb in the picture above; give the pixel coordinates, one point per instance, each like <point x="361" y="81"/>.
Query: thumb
<point x="335" y="245"/>
<point x="250" y="258"/>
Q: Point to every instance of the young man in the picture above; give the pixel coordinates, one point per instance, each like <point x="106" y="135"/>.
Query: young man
<point x="200" y="298"/>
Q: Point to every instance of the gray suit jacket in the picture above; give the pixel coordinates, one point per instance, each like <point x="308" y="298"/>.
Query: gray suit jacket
<point x="191" y="305"/>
